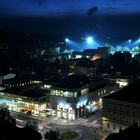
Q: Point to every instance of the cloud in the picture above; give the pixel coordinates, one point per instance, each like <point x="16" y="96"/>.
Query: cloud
<point x="92" y="11"/>
<point x="111" y="9"/>
<point x="65" y="7"/>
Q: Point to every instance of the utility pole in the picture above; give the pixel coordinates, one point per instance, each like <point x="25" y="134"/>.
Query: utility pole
<point x="67" y="119"/>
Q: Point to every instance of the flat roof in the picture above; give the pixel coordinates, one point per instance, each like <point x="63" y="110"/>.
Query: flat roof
<point x="23" y="78"/>
<point x="32" y="92"/>
<point x="127" y="94"/>
<point x="75" y="81"/>
<point x="35" y="93"/>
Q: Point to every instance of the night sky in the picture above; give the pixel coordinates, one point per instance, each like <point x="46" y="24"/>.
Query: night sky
<point x="111" y="17"/>
<point x="62" y="7"/>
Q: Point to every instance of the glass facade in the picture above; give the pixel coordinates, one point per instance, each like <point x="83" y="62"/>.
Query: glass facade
<point x="68" y="94"/>
<point x="18" y="104"/>
<point x="65" y="112"/>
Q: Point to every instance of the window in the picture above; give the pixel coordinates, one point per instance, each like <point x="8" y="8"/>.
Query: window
<point x="101" y="92"/>
<point x="114" y="127"/>
<point x="53" y="92"/>
<point x="75" y="94"/>
<point x="108" y="125"/>
<point x="84" y="91"/>
<point x="61" y="93"/>
<point x="70" y="94"/>
<point x="58" y="93"/>
<point x="66" y="93"/>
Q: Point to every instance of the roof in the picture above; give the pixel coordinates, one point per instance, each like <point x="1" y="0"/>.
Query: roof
<point x="85" y="62"/>
<point x="76" y="81"/>
<point x="127" y="94"/>
<point x="72" y="81"/>
<point x="24" y="78"/>
<point x="34" y="92"/>
<point x="129" y="133"/>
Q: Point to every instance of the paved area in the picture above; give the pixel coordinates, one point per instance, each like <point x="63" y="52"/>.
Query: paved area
<point x="102" y="133"/>
<point x="60" y="121"/>
<point x="89" y="128"/>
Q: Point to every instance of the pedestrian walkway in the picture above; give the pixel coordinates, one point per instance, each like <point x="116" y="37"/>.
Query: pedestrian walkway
<point x="93" y="124"/>
<point x="61" y="121"/>
<point x="102" y="133"/>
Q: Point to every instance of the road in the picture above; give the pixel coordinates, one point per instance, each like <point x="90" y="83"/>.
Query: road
<point x="86" y="128"/>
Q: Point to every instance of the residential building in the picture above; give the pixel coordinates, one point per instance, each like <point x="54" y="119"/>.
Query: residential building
<point x="122" y="108"/>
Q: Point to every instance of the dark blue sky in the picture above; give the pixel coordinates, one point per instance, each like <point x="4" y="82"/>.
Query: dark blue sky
<point x="119" y="18"/>
<point x="64" y="7"/>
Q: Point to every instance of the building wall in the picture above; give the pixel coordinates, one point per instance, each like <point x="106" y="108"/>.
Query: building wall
<point x="1" y="78"/>
<point x="19" y="104"/>
<point x="82" y="104"/>
<point x="119" y="114"/>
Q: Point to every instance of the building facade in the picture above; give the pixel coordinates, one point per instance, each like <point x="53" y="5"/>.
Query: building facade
<point x="25" y="101"/>
<point x="122" y="109"/>
<point x="79" y="98"/>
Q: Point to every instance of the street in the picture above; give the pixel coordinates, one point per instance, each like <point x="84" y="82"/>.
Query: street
<point x="86" y="127"/>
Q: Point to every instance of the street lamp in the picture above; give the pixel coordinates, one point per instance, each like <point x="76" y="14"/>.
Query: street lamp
<point x="66" y="40"/>
<point x="130" y="40"/>
<point x="67" y="108"/>
<point x="67" y="118"/>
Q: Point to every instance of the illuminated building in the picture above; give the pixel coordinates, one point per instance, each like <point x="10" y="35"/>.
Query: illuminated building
<point x="77" y="96"/>
<point x="32" y="101"/>
<point x="122" y="81"/>
<point x="21" y="81"/>
<point x="6" y="76"/>
<point x="122" y="108"/>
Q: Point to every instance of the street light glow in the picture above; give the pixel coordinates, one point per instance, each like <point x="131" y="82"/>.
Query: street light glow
<point x="139" y="40"/>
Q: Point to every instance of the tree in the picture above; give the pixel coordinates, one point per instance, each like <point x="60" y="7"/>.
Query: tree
<point x="52" y="135"/>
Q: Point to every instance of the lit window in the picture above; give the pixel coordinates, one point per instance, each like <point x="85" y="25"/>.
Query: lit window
<point x="61" y="93"/>
<point x="70" y="94"/>
<point x="84" y="91"/>
<point x="75" y="94"/>
<point x="53" y="92"/>
<point x="66" y="93"/>
<point x="58" y="92"/>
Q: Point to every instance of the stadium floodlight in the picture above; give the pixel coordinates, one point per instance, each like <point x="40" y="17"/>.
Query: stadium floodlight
<point x="66" y="39"/>
<point x="89" y="40"/>
<point x="130" y="40"/>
